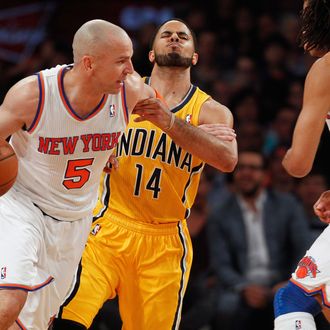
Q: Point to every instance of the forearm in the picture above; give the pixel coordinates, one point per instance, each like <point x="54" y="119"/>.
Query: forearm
<point x="212" y="150"/>
<point x="297" y="166"/>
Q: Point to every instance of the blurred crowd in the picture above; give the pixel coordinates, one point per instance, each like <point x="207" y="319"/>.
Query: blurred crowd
<point x="248" y="228"/>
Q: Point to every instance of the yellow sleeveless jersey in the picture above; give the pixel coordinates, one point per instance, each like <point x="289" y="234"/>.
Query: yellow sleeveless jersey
<point x="157" y="180"/>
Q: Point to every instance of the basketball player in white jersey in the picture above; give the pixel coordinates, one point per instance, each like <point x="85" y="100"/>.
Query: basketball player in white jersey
<point x="296" y="304"/>
<point x="64" y="123"/>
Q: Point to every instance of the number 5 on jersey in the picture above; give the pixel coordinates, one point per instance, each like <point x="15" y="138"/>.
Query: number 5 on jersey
<point x="76" y="174"/>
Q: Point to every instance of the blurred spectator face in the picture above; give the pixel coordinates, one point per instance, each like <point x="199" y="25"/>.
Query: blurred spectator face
<point x="207" y="42"/>
<point x="266" y="26"/>
<point x="290" y="28"/>
<point x="196" y="19"/>
<point x="284" y="123"/>
<point x="244" y="20"/>
<point x="310" y="188"/>
<point x="247" y="109"/>
<point x="221" y="91"/>
<point x="274" y="54"/>
<point x="280" y="179"/>
<point x="249" y="136"/>
<point x="249" y="175"/>
<point x="245" y="75"/>
<point x="295" y="96"/>
<point x="173" y="46"/>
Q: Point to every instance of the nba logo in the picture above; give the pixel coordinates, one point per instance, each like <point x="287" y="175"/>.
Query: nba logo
<point x="3" y="273"/>
<point x="96" y="229"/>
<point x="188" y="119"/>
<point x="112" y="110"/>
<point x="298" y="324"/>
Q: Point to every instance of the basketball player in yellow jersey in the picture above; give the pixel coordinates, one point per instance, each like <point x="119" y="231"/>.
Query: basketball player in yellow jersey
<point x="139" y="246"/>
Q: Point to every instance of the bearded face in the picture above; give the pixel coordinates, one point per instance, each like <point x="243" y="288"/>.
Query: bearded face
<point x="173" y="60"/>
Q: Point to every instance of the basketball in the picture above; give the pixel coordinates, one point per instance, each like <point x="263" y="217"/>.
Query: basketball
<point x="8" y="166"/>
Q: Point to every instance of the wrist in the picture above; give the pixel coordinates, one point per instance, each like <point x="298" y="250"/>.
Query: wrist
<point x="171" y="123"/>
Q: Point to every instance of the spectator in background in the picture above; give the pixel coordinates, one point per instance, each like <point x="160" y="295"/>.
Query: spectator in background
<point x="279" y="179"/>
<point x="280" y="130"/>
<point x="255" y="238"/>
<point x="308" y="191"/>
<point x="250" y="135"/>
<point x="275" y="76"/>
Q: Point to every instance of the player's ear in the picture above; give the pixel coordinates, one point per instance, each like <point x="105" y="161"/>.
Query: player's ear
<point x="87" y="62"/>
<point x="152" y="56"/>
<point x="194" y="59"/>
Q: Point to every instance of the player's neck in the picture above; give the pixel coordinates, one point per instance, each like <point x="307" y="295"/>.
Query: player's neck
<point x="173" y="84"/>
<point x="80" y="97"/>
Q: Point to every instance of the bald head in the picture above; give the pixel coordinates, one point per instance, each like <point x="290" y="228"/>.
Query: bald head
<point x="94" y="36"/>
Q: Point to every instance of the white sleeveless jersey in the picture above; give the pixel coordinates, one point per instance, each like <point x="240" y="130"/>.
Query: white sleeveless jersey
<point x="328" y="120"/>
<point x="61" y="156"/>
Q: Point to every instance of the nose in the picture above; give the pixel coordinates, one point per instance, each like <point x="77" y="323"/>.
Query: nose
<point x="174" y="37"/>
<point x="129" y="68"/>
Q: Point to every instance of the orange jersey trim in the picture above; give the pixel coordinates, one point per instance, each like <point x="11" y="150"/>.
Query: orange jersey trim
<point x="319" y="290"/>
<point x="27" y="287"/>
<point x="40" y="108"/>
<point x="67" y="104"/>
<point x="20" y="324"/>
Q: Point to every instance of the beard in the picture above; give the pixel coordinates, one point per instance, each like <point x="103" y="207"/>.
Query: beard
<point x="251" y="192"/>
<point x="173" y="60"/>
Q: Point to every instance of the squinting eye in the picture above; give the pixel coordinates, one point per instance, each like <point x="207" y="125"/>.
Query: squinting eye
<point x="183" y="36"/>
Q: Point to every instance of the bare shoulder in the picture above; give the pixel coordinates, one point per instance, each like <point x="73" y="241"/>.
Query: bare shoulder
<point x="24" y="93"/>
<point x="136" y="90"/>
<point x="320" y="68"/>
<point x="215" y="112"/>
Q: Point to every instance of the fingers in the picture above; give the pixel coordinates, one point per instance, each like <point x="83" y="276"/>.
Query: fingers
<point x="111" y="164"/>
<point x="221" y="131"/>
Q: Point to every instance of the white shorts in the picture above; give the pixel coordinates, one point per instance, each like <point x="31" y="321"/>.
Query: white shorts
<point x="313" y="270"/>
<point x="38" y="254"/>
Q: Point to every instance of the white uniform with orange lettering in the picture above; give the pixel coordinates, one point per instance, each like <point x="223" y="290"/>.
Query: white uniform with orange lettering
<point x="313" y="272"/>
<point x="46" y="216"/>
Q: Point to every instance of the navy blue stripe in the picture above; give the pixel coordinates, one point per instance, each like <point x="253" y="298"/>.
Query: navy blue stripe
<point x="19" y="325"/>
<point x="39" y="102"/>
<point x="67" y="100"/>
<point x="187" y="99"/>
<point x="193" y="171"/>
<point x="177" y="313"/>
<point x="147" y="80"/>
<point x="24" y="289"/>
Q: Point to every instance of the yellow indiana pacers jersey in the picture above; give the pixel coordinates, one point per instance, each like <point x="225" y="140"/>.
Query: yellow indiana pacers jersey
<point x="157" y="180"/>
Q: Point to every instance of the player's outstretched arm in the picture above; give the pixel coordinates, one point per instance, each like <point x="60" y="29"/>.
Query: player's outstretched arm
<point x="19" y="106"/>
<point x="220" y="153"/>
<point x="299" y="159"/>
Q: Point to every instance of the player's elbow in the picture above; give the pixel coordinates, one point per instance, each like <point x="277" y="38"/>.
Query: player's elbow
<point x="229" y="164"/>
<point x="297" y="169"/>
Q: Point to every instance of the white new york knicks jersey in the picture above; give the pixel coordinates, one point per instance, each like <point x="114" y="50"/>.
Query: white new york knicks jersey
<point x="61" y="156"/>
